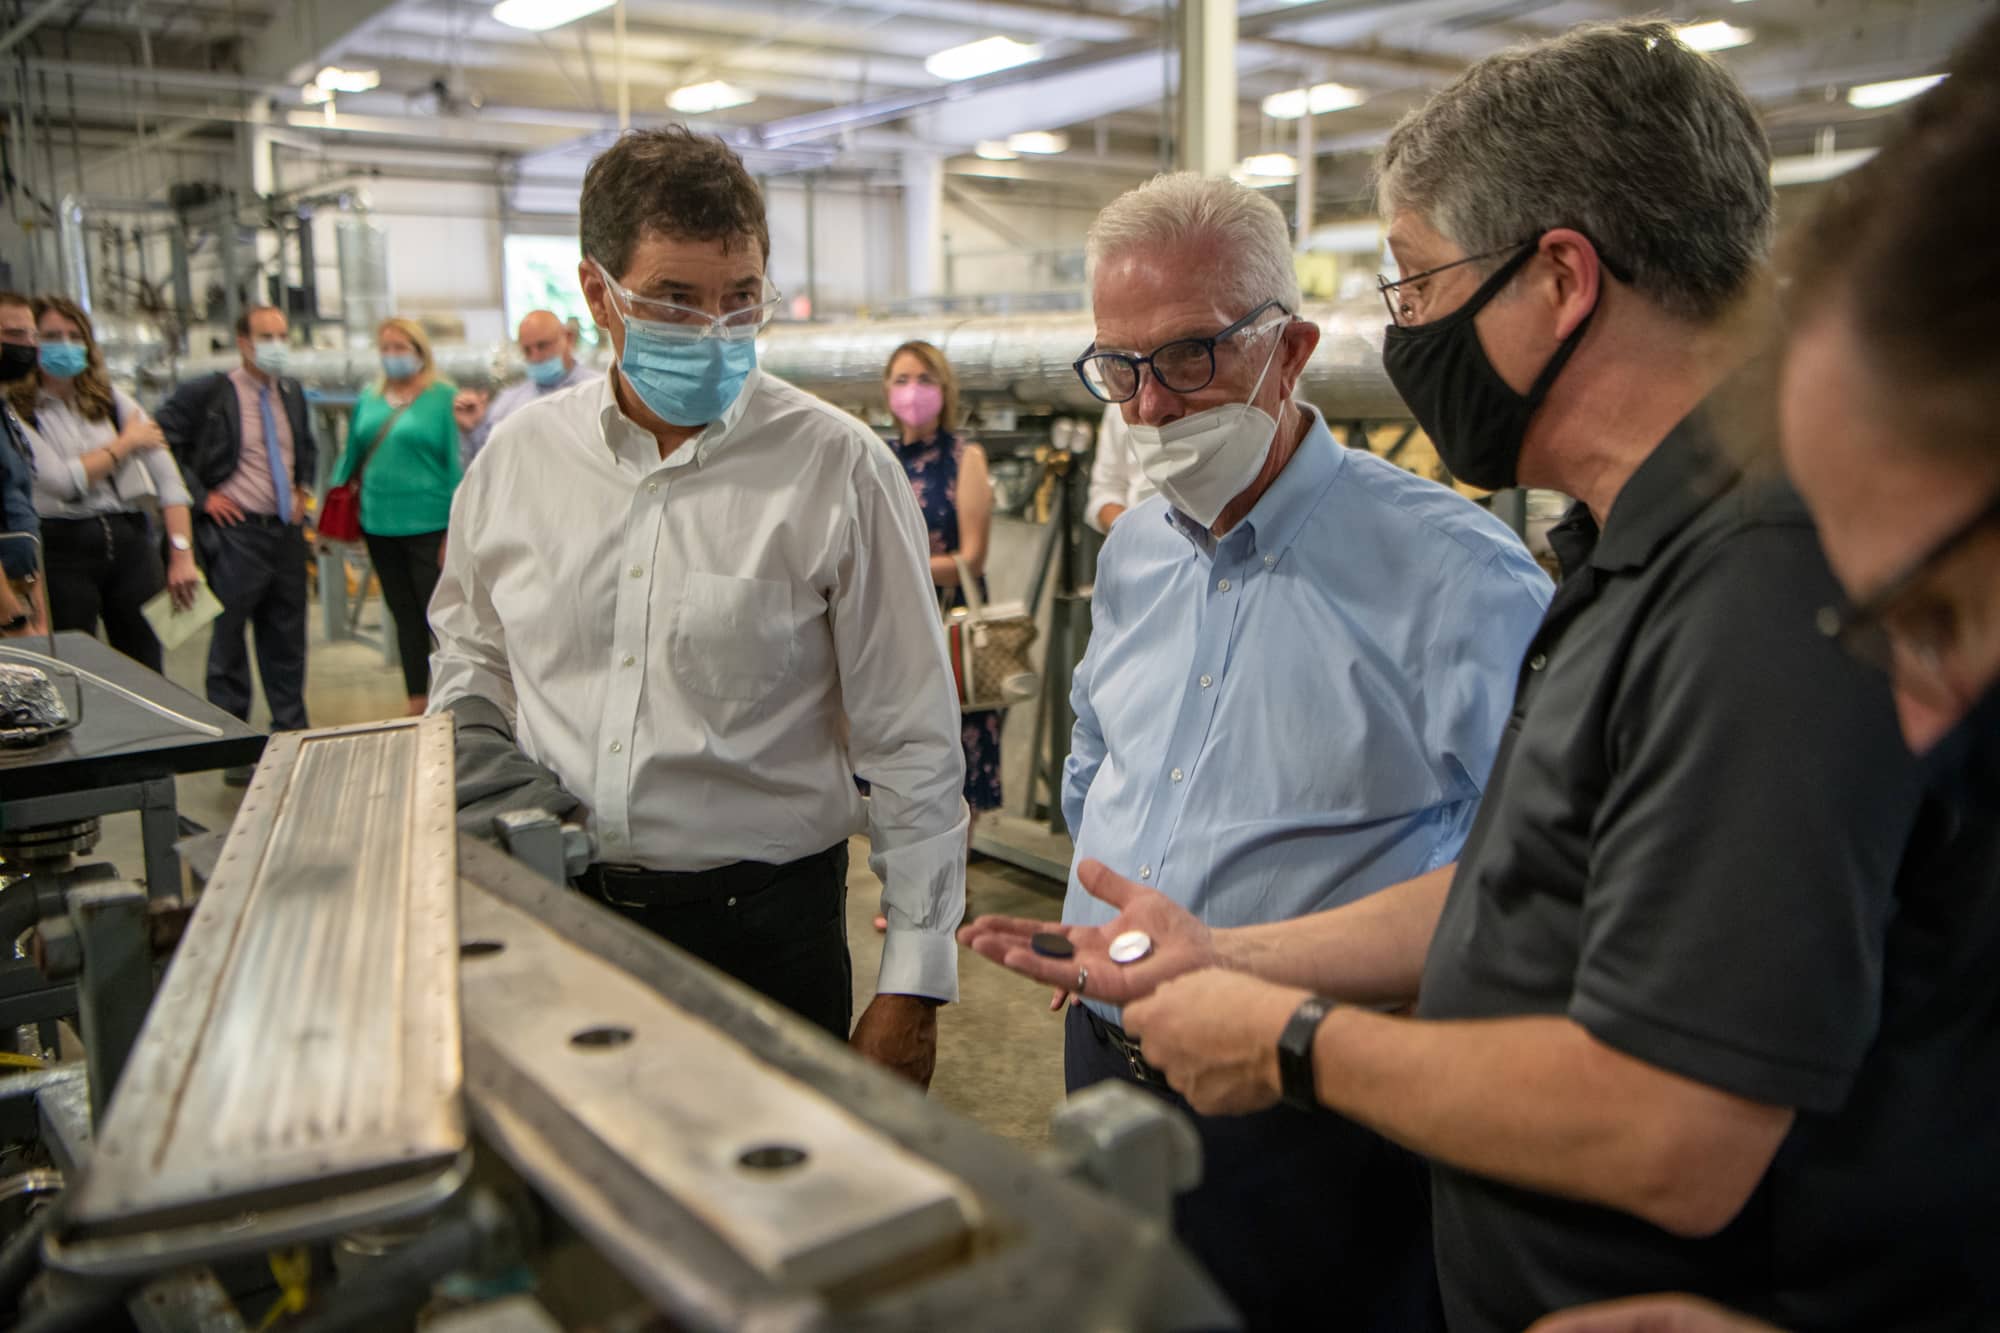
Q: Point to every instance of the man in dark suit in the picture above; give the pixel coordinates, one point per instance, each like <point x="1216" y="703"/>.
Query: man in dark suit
<point x="245" y="446"/>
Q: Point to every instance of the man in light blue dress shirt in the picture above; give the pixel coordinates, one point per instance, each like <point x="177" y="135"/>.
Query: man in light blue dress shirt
<point x="1300" y="664"/>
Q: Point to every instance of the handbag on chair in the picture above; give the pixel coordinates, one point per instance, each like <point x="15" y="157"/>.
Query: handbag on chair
<point x="989" y="646"/>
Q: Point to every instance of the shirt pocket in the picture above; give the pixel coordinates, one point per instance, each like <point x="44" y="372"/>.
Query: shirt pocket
<point x="732" y="638"/>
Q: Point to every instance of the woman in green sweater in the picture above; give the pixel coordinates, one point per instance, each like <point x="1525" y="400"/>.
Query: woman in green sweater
<point x="404" y="442"/>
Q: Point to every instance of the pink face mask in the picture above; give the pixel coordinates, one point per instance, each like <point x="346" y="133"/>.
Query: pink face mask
<point x="915" y="403"/>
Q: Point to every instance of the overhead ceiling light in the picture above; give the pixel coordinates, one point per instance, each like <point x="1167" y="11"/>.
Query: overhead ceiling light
<point x="715" y="95"/>
<point x="988" y="55"/>
<point x="1042" y="142"/>
<point x="315" y="95"/>
<point x="1868" y="96"/>
<point x="1319" y="99"/>
<point x="337" y="80"/>
<point x="994" y="150"/>
<point x="1714" y="35"/>
<point x="541" y="15"/>
<point x="1270" y="166"/>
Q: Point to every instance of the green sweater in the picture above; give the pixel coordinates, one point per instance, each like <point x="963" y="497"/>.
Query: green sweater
<point x="406" y="487"/>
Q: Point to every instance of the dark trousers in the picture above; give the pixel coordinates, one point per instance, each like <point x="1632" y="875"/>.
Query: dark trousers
<point x="408" y="570"/>
<point x="1306" y="1221"/>
<point x="257" y="570"/>
<point x="106" y="567"/>
<point x="778" y="929"/>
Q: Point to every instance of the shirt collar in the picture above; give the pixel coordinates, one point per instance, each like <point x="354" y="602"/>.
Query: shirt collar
<point x="618" y="428"/>
<point x="1676" y="482"/>
<point x="1282" y="510"/>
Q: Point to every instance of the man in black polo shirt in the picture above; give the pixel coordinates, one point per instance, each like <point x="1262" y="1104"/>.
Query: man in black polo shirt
<point x="1699" y="1009"/>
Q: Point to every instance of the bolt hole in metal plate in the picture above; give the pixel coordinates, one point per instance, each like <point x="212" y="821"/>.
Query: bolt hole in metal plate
<point x="601" y="1038"/>
<point x="480" y="948"/>
<point x="303" y="1051"/>
<point x="801" y="1189"/>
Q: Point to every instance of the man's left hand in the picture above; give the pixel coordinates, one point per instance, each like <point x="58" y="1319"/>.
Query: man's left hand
<point x="1214" y="1034"/>
<point x="899" y="1032"/>
<point x="182" y="579"/>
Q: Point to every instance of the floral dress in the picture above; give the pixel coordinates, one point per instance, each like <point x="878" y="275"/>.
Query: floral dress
<point x="932" y="466"/>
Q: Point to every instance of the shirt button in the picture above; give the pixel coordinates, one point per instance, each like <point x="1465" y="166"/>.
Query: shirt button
<point x="732" y="902"/>
<point x="1270" y="562"/>
<point x="1538" y="661"/>
<point x="1207" y="681"/>
<point x="616" y="746"/>
<point x="1145" y="872"/>
<point x="653" y="487"/>
<point x="638" y="572"/>
<point x="630" y="660"/>
<point x="1177" y="775"/>
<point x="1223" y="586"/>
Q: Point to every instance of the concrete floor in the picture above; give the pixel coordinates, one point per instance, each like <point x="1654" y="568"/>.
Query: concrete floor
<point x="1000" y="1051"/>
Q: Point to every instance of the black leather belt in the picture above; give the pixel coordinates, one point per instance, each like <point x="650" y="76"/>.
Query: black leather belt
<point x="636" y="886"/>
<point x="1115" y="1037"/>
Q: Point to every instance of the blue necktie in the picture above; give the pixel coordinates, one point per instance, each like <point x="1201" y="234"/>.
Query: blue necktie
<point x="279" y="481"/>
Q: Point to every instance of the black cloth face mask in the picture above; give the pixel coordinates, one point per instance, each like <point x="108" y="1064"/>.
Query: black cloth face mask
<point x="1964" y="766"/>
<point x="16" y="361"/>
<point x="1471" y="414"/>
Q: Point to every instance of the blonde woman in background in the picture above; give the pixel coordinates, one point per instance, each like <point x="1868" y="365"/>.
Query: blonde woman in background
<point x="403" y="441"/>
<point x="100" y="464"/>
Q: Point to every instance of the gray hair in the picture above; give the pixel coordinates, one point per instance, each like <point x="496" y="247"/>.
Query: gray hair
<point x="1238" y="225"/>
<point x="1618" y="130"/>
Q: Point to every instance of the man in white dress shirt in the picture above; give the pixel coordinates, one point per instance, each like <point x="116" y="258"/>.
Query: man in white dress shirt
<point x="1117" y="483"/>
<point x="700" y="599"/>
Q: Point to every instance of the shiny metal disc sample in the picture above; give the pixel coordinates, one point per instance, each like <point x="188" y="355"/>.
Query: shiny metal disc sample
<point x="1131" y="946"/>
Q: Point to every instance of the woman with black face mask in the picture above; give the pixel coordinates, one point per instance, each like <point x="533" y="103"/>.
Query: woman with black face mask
<point x="20" y="526"/>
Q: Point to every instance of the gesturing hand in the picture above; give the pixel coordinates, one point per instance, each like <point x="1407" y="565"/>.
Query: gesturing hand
<point x="1181" y="943"/>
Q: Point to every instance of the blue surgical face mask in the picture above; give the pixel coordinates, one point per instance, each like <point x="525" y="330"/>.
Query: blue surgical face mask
<point x="547" y="373"/>
<point x="64" y="360"/>
<point x="687" y="374"/>
<point x="272" y="357"/>
<point x="400" y="367"/>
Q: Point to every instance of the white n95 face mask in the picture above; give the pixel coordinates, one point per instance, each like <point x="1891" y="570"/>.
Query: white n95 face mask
<point x="1203" y="461"/>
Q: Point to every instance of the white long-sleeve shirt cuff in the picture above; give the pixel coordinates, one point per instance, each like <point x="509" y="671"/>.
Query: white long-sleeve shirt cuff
<point x="923" y="896"/>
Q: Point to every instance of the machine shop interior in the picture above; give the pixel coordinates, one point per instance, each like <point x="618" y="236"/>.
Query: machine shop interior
<point x="290" y="1045"/>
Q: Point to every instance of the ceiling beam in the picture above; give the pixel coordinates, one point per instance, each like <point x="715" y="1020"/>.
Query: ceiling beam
<point x="307" y="35"/>
<point x="30" y="21"/>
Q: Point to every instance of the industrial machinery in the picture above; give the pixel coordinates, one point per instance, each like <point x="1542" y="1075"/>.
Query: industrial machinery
<point x="394" y="1078"/>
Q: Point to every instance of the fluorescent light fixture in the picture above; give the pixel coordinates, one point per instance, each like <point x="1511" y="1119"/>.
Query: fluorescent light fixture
<point x="541" y="15"/>
<point x="988" y="55"/>
<point x="337" y="80"/>
<point x="1868" y="96"/>
<point x="715" y="95"/>
<point x="1041" y="142"/>
<point x="1270" y="166"/>
<point x="994" y="150"/>
<point x="1319" y="99"/>
<point x="1715" y="35"/>
<point x="315" y="95"/>
<point x="1812" y="168"/>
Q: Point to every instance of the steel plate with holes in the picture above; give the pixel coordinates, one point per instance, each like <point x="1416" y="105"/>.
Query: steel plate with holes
<point x="301" y="1065"/>
<point x="806" y="1193"/>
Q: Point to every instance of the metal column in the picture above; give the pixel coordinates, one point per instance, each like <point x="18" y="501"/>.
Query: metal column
<point x="116" y="987"/>
<point x="1208" y="86"/>
<point x="923" y="208"/>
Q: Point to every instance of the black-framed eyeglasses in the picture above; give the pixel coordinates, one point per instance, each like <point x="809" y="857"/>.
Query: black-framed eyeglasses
<point x="1400" y="313"/>
<point x="1911" y="648"/>
<point x="1185" y="365"/>
<point x="1403" y="315"/>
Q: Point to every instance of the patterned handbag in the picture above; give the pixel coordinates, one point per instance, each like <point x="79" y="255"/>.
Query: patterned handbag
<point x="989" y="649"/>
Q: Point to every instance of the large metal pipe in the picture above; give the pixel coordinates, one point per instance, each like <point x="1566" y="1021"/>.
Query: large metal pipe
<point x="1024" y="360"/>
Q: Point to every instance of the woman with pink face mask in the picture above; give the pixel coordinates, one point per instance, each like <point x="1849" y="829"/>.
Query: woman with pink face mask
<point x="949" y="476"/>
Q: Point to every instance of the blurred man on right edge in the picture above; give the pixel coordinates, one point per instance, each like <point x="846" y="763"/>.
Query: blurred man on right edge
<point x="1699" y="1008"/>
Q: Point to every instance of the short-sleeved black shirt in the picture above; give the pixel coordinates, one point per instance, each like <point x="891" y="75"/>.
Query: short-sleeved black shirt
<point x="1705" y="842"/>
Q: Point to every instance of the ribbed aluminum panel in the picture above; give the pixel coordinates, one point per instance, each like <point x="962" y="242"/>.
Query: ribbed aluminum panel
<point x="305" y="1044"/>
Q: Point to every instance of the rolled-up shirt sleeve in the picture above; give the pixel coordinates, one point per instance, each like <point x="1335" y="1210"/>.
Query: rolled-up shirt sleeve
<point x="159" y="463"/>
<point x="903" y="729"/>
